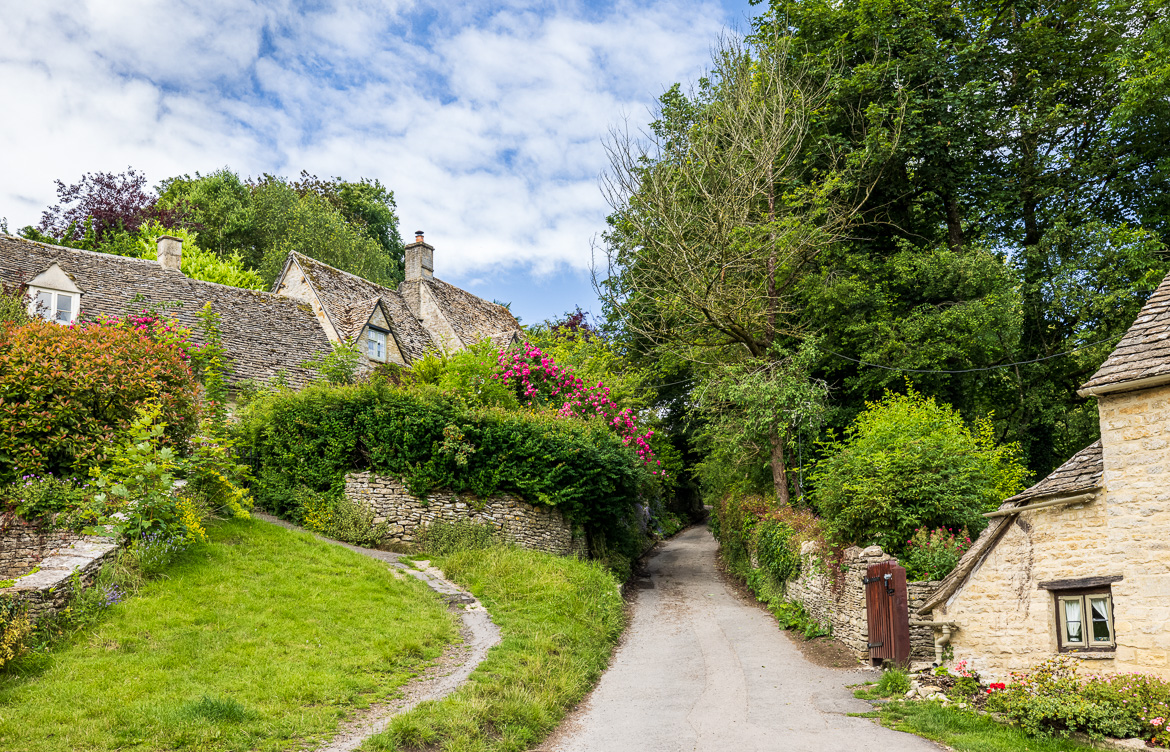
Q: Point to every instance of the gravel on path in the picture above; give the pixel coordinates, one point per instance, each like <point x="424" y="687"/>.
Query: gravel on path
<point x="699" y="670"/>
<point x="479" y="635"/>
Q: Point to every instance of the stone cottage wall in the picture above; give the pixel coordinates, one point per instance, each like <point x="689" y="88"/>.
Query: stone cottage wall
<point x="1135" y="438"/>
<point x="23" y="546"/>
<point x="837" y="599"/>
<point x="1008" y="623"/>
<point x="540" y="528"/>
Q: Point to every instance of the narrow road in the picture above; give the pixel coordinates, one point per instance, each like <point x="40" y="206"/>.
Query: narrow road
<point x="701" y="670"/>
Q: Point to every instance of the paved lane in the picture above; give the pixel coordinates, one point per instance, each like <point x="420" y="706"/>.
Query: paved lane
<point x="701" y="670"/>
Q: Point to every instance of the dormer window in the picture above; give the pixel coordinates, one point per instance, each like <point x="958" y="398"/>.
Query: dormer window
<point x="53" y="296"/>
<point x="376" y="344"/>
<point x="53" y="305"/>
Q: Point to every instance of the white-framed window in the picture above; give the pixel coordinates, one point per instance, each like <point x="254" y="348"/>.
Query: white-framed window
<point x="53" y="305"/>
<point x="376" y="343"/>
<point x="1085" y="620"/>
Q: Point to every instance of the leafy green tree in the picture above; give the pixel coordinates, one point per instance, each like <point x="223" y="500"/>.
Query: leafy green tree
<point x="220" y="205"/>
<point x="908" y="462"/>
<point x="1022" y="213"/>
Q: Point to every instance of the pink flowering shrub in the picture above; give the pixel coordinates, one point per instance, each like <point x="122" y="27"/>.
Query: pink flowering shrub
<point x="1053" y="698"/>
<point x="538" y="381"/>
<point x="932" y="554"/>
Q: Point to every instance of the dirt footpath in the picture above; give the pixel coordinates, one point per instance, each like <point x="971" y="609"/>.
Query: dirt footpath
<point x="699" y="669"/>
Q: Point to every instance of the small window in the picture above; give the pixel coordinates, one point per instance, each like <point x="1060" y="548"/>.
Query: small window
<point x="52" y="305"/>
<point x="1085" y="620"/>
<point x="376" y="344"/>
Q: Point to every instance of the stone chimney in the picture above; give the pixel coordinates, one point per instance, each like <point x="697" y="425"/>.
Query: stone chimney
<point x="420" y="259"/>
<point x="170" y="252"/>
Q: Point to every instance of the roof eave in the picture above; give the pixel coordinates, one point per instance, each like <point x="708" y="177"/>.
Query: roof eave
<point x="1124" y="386"/>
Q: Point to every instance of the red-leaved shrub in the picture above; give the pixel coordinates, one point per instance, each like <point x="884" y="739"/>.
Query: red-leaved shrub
<point x="65" y="392"/>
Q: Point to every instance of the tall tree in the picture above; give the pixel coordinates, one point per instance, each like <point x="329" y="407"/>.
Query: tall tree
<point x="717" y="217"/>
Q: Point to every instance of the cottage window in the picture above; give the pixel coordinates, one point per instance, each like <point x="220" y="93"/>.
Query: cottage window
<point x="1085" y="620"/>
<point x="376" y="344"/>
<point x="53" y="305"/>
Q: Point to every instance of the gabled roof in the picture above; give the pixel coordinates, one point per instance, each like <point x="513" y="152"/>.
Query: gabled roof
<point x="1083" y="472"/>
<point x="344" y="296"/>
<point x="1142" y="357"/>
<point x="470" y="316"/>
<point x="262" y="332"/>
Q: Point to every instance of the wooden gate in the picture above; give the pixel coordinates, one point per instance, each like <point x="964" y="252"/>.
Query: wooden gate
<point x="887" y="609"/>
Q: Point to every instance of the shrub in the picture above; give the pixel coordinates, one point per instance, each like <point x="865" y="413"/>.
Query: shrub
<point x="1052" y="699"/>
<point x="40" y="499"/>
<point x="778" y="548"/>
<point x="136" y="492"/>
<point x="66" y="393"/>
<point x="932" y="554"/>
<point x="908" y="462"/>
<point x="15" y="628"/>
<point x="353" y="522"/>
<point x="314" y="437"/>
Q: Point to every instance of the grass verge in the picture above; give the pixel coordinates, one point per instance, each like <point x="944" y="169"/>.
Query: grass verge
<point x="260" y="639"/>
<point x="560" y="620"/>
<point x="965" y="731"/>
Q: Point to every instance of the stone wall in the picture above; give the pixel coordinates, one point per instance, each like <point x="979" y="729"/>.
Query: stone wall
<point x="541" y="528"/>
<point x="50" y="588"/>
<point x="1008" y="623"/>
<point x="24" y="545"/>
<point x="836" y="598"/>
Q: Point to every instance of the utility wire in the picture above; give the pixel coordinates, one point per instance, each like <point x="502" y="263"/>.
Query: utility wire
<point x="967" y="370"/>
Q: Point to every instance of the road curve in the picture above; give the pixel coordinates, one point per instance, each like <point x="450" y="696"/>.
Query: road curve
<point x="701" y="670"/>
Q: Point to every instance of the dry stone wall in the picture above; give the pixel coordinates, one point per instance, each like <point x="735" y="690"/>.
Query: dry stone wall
<point x="24" y="545"/>
<point x="55" y="557"/>
<point x="540" y="528"/>
<point x="834" y="595"/>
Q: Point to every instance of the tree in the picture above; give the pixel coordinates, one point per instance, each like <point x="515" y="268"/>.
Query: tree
<point x="717" y="216"/>
<point x="102" y="203"/>
<point x="1022" y="214"/>
<point x="908" y="462"/>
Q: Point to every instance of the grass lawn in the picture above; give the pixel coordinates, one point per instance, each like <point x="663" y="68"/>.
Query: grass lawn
<point x="560" y="620"/>
<point x="965" y="732"/>
<point x="260" y="639"/>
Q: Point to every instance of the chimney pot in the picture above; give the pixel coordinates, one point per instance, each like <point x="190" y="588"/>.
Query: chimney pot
<point x="170" y="252"/>
<point x="418" y="236"/>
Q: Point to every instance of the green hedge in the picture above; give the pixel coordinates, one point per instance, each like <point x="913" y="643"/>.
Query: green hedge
<point x="429" y="440"/>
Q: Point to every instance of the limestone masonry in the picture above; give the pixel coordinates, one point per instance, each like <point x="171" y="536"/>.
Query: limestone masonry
<point x="55" y="556"/>
<point x="840" y="603"/>
<point x="540" y="528"/>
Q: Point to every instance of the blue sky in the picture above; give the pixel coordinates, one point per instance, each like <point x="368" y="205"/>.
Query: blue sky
<point x="486" y="119"/>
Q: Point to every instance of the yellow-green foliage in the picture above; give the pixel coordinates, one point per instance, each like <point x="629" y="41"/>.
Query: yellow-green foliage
<point x="15" y="626"/>
<point x="198" y="263"/>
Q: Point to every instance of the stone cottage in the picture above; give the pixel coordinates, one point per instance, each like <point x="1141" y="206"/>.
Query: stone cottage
<point x="311" y="305"/>
<point x="1080" y="562"/>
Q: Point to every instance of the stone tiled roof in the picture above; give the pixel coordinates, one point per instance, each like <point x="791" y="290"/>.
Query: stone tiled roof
<point x="262" y="332"/>
<point x="353" y="317"/>
<point x="343" y="294"/>
<point x="1082" y="473"/>
<point x="472" y="317"/>
<point x="1144" y="351"/>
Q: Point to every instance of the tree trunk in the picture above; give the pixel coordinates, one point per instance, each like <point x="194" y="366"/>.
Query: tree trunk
<point x="779" y="472"/>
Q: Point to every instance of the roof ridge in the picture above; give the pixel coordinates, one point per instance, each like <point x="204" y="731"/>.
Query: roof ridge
<point x="340" y="271"/>
<point x="131" y="259"/>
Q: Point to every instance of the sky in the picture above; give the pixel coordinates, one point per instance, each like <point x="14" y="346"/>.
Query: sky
<point x="487" y="120"/>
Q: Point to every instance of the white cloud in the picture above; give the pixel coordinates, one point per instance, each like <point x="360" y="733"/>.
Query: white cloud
<point x="487" y="123"/>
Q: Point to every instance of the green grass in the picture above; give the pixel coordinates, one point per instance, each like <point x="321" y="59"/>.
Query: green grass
<point x="560" y="619"/>
<point x="260" y="639"/>
<point x="965" y="731"/>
